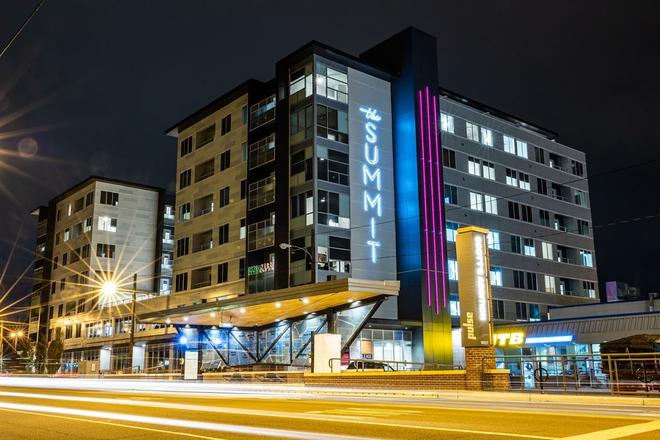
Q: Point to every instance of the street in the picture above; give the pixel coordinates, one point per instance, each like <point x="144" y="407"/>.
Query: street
<point x="97" y="409"/>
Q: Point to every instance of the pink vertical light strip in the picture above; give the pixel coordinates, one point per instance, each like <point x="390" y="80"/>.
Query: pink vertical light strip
<point x="435" y="244"/>
<point x="442" y="229"/>
<point x="426" y="216"/>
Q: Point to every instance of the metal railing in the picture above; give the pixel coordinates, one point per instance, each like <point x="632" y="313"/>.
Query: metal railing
<point x="615" y="374"/>
<point x="362" y="365"/>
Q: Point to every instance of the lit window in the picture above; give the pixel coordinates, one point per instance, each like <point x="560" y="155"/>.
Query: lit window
<point x="491" y="204"/>
<point x="550" y="284"/>
<point x="476" y="201"/>
<point x="489" y="170"/>
<point x="474" y="166"/>
<point x="586" y="259"/>
<point x="472" y="131"/>
<point x="528" y="246"/>
<point x="521" y="148"/>
<point x="523" y="181"/>
<point x="331" y="83"/>
<point x="446" y="123"/>
<point x="494" y="240"/>
<point x="451" y="195"/>
<point x="509" y="145"/>
<point x="534" y="314"/>
<point x="486" y="137"/>
<point x="454" y="307"/>
<point x="496" y="276"/>
<point x="547" y="250"/>
<point x="511" y="177"/>
<point x="451" y="231"/>
<point x="107" y="224"/>
<point x="453" y="270"/>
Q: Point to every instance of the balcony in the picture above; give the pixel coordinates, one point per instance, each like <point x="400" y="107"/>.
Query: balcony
<point x="202" y="241"/>
<point x="203" y="205"/>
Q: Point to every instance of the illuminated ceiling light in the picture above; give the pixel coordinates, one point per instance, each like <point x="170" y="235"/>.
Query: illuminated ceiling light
<point x="185" y="318"/>
<point x="278" y="305"/>
<point x="350" y="300"/>
<point x="305" y="301"/>
<point x="212" y="315"/>
<point x="168" y="320"/>
<point x="242" y="310"/>
<point x="305" y="313"/>
<point x="277" y="320"/>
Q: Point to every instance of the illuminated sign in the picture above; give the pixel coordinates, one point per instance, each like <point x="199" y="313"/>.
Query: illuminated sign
<point x="508" y="339"/>
<point x="371" y="176"/>
<point x="261" y="268"/>
<point x="549" y="339"/>
<point x="474" y="287"/>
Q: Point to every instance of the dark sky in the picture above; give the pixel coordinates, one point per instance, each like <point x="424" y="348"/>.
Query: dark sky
<point x="89" y="88"/>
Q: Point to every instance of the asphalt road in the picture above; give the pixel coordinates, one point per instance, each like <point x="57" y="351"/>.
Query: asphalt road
<point x="80" y="409"/>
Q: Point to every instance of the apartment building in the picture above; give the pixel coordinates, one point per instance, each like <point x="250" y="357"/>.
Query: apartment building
<point x="92" y="241"/>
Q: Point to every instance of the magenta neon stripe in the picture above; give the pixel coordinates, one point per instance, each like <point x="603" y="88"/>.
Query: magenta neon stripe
<point x="442" y="228"/>
<point x="426" y="217"/>
<point x="435" y="244"/>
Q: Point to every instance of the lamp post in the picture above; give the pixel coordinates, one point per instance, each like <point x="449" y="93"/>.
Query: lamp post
<point x="15" y="336"/>
<point x="110" y="288"/>
<point x="311" y="257"/>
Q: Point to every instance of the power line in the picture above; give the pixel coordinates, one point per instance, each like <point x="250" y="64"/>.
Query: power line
<point x="21" y="28"/>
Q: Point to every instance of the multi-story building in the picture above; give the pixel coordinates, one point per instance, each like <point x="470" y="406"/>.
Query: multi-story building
<point x="99" y="234"/>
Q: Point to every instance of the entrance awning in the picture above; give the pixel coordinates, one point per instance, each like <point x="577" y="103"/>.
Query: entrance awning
<point x="264" y="308"/>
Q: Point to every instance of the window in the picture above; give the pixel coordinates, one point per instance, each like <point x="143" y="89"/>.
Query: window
<point x="81" y="306"/>
<point x="516" y="244"/>
<point x="544" y="217"/>
<point x="532" y="283"/>
<point x="241" y="233"/>
<point x="68" y="209"/>
<point x="109" y="198"/>
<point x="244" y="115"/>
<point x="333" y="209"/>
<point x="223" y="234"/>
<point x="539" y="155"/>
<point x="184" y="212"/>
<point x="586" y="258"/>
<point x="338" y="254"/>
<point x="521" y="148"/>
<point x="523" y="181"/>
<point x="453" y="270"/>
<point x="181" y="282"/>
<point x="333" y="166"/>
<point x="521" y="311"/>
<point x="57" y="238"/>
<point x="244" y="189"/>
<point x="59" y="214"/>
<point x="550" y="284"/>
<point x="262" y="152"/>
<point x="451" y="229"/>
<point x="206" y="136"/>
<point x="60" y="308"/>
<point x="486" y="137"/>
<point x="449" y="158"/>
<point x="262" y="112"/>
<point x="583" y="227"/>
<point x="89" y="198"/>
<point x="201" y="242"/>
<point x="302" y="123"/>
<point x="454" y="306"/>
<point x="476" y="201"/>
<point x="105" y="250"/>
<point x="244" y="152"/>
<point x="446" y="123"/>
<point x="241" y="268"/>
<point x="182" y="246"/>
<point x="185" y="179"/>
<point x="528" y="247"/>
<point x="224" y="196"/>
<point x="509" y="144"/>
<point x="331" y="83"/>
<point x="67" y="234"/>
<point x="55" y="262"/>
<point x="474" y="166"/>
<point x="261" y="235"/>
<point x="88" y="225"/>
<point x="526" y="212"/>
<point x="488" y="170"/>
<point x="496" y="276"/>
<point x="542" y="186"/>
<point x="498" y="309"/>
<point x="303" y="205"/>
<point x="580" y="197"/>
<point x="331" y="123"/>
<point x="261" y="193"/>
<point x="511" y="177"/>
<point x="186" y="146"/>
<point x="107" y="224"/>
<point x="62" y="287"/>
<point x="589" y="289"/>
<point x="451" y="195"/>
<point x="547" y="250"/>
<point x="490" y="203"/>
<point x="493" y="239"/>
<point x="472" y="131"/>
<point x="223" y="270"/>
<point x="204" y="170"/>
<point x="226" y="125"/>
<point x="225" y="160"/>
<point x="514" y="210"/>
<point x="577" y="168"/>
<point x="85" y="251"/>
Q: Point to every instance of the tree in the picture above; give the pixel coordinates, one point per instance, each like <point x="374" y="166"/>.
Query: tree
<point x="54" y="354"/>
<point x="26" y="355"/>
<point x="40" y="357"/>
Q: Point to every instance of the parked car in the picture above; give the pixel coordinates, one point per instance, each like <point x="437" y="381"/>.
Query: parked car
<point x="369" y="367"/>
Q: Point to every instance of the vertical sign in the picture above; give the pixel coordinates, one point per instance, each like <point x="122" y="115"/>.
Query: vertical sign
<point x="190" y="365"/>
<point x="474" y="286"/>
<point x="373" y="237"/>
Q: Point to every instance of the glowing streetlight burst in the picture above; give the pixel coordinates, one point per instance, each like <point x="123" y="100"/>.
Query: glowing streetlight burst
<point x="109" y="288"/>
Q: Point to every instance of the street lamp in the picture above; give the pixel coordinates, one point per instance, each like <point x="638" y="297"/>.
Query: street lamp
<point x="110" y="288"/>
<point x="15" y="336"/>
<point x="285" y="246"/>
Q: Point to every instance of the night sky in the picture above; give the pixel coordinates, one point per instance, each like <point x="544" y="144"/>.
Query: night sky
<point x="89" y="88"/>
